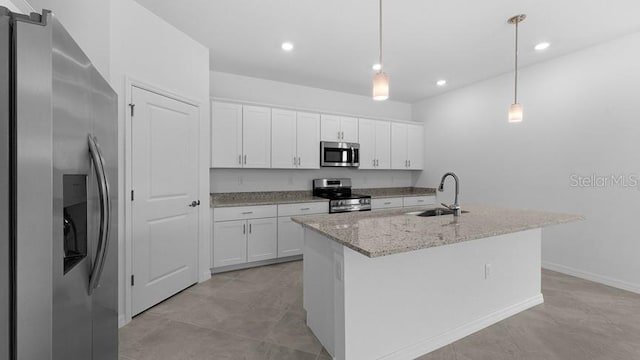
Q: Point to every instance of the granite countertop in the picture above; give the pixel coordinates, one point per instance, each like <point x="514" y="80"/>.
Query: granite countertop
<point x="390" y="232"/>
<point x="395" y="192"/>
<point x="292" y="197"/>
<point x="263" y="198"/>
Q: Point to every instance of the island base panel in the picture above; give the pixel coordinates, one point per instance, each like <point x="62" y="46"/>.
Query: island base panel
<point x="405" y="305"/>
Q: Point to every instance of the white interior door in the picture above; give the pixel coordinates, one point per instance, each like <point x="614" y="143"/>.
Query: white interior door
<point x="165" y="182"/>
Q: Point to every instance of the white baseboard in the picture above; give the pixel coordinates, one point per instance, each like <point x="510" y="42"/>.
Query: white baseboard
<point x="122" y="321"/>
<point x="592" y="277"/>
<point x="434" y="343"/>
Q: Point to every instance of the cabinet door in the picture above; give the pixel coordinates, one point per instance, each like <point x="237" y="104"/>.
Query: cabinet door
<point x="226" y="135"/>
<point x="256" y="137"/>
<point x="262" y="240"/>
<point x="349" y="129"/>
<point x="415" y="145"/>
<point x="283" y="139"/>
<point x="383" y="144"/>
<point x="367" y="135"/>
<point x="330" y="127"/>
<point x="308" y="140"/>
<point x="399" y="146"/>
<point x="290" y="237"/>
<point x="229" y="243"/>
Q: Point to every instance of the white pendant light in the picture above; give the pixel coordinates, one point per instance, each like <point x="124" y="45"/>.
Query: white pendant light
<point x="515" y="110"/>
<point x="380" y="79"/>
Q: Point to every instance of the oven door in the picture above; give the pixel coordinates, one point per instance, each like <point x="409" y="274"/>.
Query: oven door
<point x="339" y="154"/>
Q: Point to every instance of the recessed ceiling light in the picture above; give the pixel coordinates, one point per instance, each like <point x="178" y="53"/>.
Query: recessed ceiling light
<point x="376" y="67"/>
<point x="542" y="46"/>
<point x="287" y="46"/>
<point x="441" y="82"/>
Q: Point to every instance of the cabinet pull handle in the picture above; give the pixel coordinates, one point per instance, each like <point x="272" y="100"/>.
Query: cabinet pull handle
<point x="294" y="161"/>
<point x="388" y="203"/>
<point x="304" y="209"/>
<point x="249" y="228"/>
<point x="245" y="159"/>
<point x="374" y="162"/>
<point x="409" y="163"/>
<point x="338" y="135"/>
<point x="247" y="213"/>
<point x="240" y="159"/>
<point x="420" y="200"/>
<point x="244" y="228"/>
<point x="298" y="160"/>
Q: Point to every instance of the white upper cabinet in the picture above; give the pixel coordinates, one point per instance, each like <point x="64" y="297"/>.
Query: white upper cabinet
<point x="308" y="140"/>
<point x="339" y="128"/>
<point x="407" y="146"/>
<point x="240" y="136"/>
<point x="375" y="144"/>
<point x="256" y="137"/>
<point x="226" y="135"/>
<point x="415" y="146"/>
<point x="295" y="140"/>
<point x="283" y="139"/>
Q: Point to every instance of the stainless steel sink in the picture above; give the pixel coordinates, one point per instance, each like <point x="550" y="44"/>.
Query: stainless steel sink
<point x="434" y="212"/>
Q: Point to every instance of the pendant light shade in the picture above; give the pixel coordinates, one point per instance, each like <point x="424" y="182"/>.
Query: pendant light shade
<point x="515" y="110"/>
<point x="515" y="113"/>
<point x="380" y="79"/>
<point x="380" y="86"/>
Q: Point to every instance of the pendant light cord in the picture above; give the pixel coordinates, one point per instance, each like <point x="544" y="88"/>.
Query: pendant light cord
<point x="515" y="99"/>
<point x="380" y="17"/>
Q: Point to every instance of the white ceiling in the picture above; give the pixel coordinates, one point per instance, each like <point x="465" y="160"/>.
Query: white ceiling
<point x="336" y="41"/>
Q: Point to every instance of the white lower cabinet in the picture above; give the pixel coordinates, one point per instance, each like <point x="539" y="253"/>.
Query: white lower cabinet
<point x="262" y="239"/>
<point x="291" y="234"/>
<point x="290" y="237"/>
<point x="230" y="243"/>
<point x="398" y="202"/>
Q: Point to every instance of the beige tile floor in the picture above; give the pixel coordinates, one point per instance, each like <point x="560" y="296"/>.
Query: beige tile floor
<point x="257" y="314"/>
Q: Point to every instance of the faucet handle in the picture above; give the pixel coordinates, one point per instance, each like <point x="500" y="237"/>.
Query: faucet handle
<point x="447" y="206"/>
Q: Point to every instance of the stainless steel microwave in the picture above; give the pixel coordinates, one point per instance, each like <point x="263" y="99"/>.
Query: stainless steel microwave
<point x="339" y="154"/>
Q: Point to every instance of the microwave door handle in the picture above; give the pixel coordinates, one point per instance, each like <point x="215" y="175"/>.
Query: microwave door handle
<point x="105" y="214"/>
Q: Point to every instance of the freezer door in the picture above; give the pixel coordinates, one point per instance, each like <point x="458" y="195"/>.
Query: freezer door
<point x="6" y="290"/>
<point x="33" y="188"/>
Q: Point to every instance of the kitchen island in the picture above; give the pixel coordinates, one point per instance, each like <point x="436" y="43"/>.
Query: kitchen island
<point x="393" y="285"/>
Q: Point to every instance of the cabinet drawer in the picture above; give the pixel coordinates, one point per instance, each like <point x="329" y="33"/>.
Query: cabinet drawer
<point x="386" y="203"/>
<point x="244" y="212"/>
<point x="303" y="209"/>
<point x="419" y="200"/>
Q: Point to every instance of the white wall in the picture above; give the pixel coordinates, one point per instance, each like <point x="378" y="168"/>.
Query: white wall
<point x="242" y="88"/>
<point x="88" y="23"/>
<point x="241" y="180"/>
<point x="148" y="50"/>
<point x="9" y="5"/>
<point x="580" y="117"/>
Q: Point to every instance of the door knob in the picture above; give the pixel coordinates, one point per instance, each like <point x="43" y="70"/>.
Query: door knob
<point x="194" y="203"/>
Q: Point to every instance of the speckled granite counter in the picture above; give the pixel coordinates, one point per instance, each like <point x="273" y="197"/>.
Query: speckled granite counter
<point x="263" y="198"/>
<point x="395" y="192"/>
<point x="389" y="232"/>
<point x="292" y="197"/>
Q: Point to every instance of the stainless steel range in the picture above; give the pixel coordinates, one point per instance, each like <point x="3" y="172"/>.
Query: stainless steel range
<point x="338" y="191"/>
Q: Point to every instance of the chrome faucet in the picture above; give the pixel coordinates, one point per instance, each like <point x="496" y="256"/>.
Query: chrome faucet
<point x="455" y="207"/>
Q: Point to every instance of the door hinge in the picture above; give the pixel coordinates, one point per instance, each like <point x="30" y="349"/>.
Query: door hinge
<point x="132" y="196"/>
<point x="133" y="280"/>
<point x="132" y="107"/>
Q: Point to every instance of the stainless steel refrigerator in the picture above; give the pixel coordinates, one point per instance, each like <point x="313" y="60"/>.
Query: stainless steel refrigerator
<point x="58" y="196"/>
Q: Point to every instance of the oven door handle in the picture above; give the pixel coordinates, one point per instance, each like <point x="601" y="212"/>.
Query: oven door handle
<point x="105" y="214"/>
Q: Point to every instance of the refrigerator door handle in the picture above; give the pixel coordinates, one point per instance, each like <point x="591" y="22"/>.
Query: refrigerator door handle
<point x="105" y="214"/>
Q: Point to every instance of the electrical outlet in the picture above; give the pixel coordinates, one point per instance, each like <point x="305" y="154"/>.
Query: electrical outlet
<point x="487" y="271"/>
<point x="338" y="270"/>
